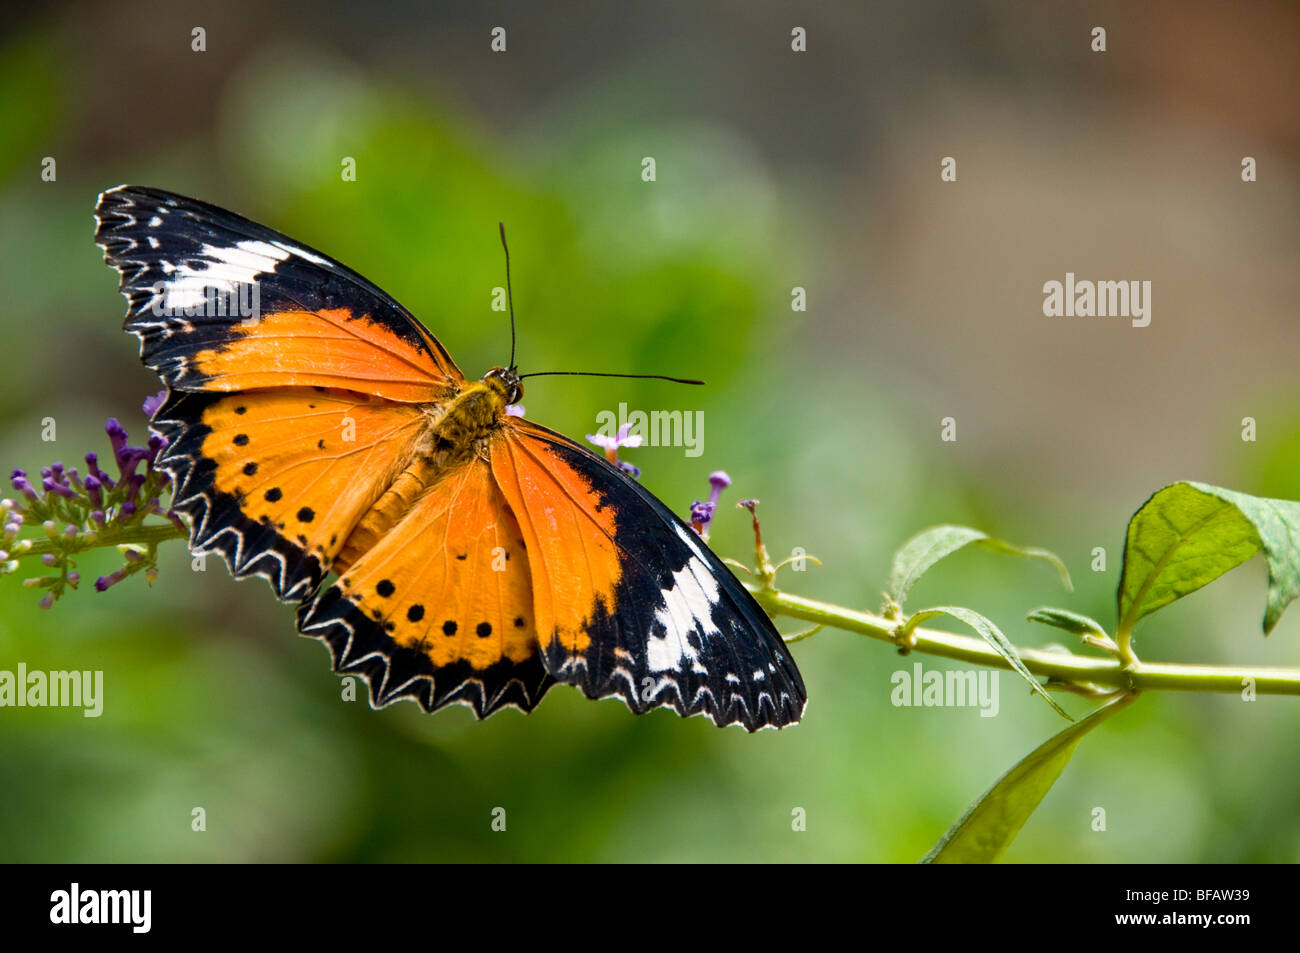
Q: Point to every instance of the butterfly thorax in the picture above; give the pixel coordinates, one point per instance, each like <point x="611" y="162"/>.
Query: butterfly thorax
<point x="458" y="427"/>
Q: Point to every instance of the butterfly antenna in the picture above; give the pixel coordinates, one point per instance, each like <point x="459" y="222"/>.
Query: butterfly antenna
<point x="510" y="299"/>
<point x="648" y="377"/>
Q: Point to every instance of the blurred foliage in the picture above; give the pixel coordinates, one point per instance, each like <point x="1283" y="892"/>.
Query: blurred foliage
<point x="211" y="700"/>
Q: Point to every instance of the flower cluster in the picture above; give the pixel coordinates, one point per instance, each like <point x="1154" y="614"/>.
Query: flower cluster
<point x="80" y="511"/>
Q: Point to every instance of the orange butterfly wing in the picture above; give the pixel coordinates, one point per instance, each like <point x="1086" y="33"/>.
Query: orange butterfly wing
<point x="441" y="608"/>
<point x="277" y="480"/>
<point x="288" y="421"/>
<point x="630" y="602"/>
<point x="221" y="303"/>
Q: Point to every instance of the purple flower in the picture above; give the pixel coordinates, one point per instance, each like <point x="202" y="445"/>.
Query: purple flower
<point x="514" y="410"/>
<point x="112" y="579"/>
<point x="95" y="492"/>
<point x="94" y="503"/>
<point x="156" y="443"/>
<point x="117" y="437"/>
<point x="153" y="402"/>
<point x="92" y="468"/>
<point x="624" y="438"/>
<point x="50" y="486"/>
<point x="21" y="484"/>
<point x="134" y="482"/>
<point x="702" y="513"/>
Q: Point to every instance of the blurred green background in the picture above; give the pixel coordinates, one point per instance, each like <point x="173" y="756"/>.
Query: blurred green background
<point x="775" y="170"/>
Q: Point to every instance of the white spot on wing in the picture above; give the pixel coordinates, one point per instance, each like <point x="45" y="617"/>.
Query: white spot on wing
<point x="302" y="253"/>
<point x="228" y="268"/>
<point x="690" y="540"/>
<point x="685" y="609"/>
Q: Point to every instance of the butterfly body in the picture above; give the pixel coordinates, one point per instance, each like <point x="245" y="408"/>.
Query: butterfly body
<point x="477" y="557"/>
<point x="475" y="411"/>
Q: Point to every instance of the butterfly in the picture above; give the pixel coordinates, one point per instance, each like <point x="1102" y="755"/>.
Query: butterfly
<point x="444" y="549"/>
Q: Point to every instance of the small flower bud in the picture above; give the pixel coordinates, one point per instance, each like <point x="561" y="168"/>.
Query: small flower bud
<point x="153" y="402"/>
<point x="95" y="492"/>
<point x="50" y="485"/>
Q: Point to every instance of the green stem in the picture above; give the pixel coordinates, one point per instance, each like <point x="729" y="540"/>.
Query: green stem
<point x="1059" y="666"/>
<point x="147" y="535"/>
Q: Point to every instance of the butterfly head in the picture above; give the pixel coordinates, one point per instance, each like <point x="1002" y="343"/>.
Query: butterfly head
<point x="505" y="382"/>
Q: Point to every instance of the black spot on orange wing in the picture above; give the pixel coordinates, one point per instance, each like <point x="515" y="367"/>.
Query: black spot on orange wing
<point x="241" y="496"/>
<point x="378" y="620"/>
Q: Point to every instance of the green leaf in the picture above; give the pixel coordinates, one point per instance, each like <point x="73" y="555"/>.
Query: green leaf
<point x="1069" y="621"/>
<point x="929" y="546"/>
<point x="1189" y="534"/>
<point x="990" y="824"/>
<point x="994" y="637"/>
